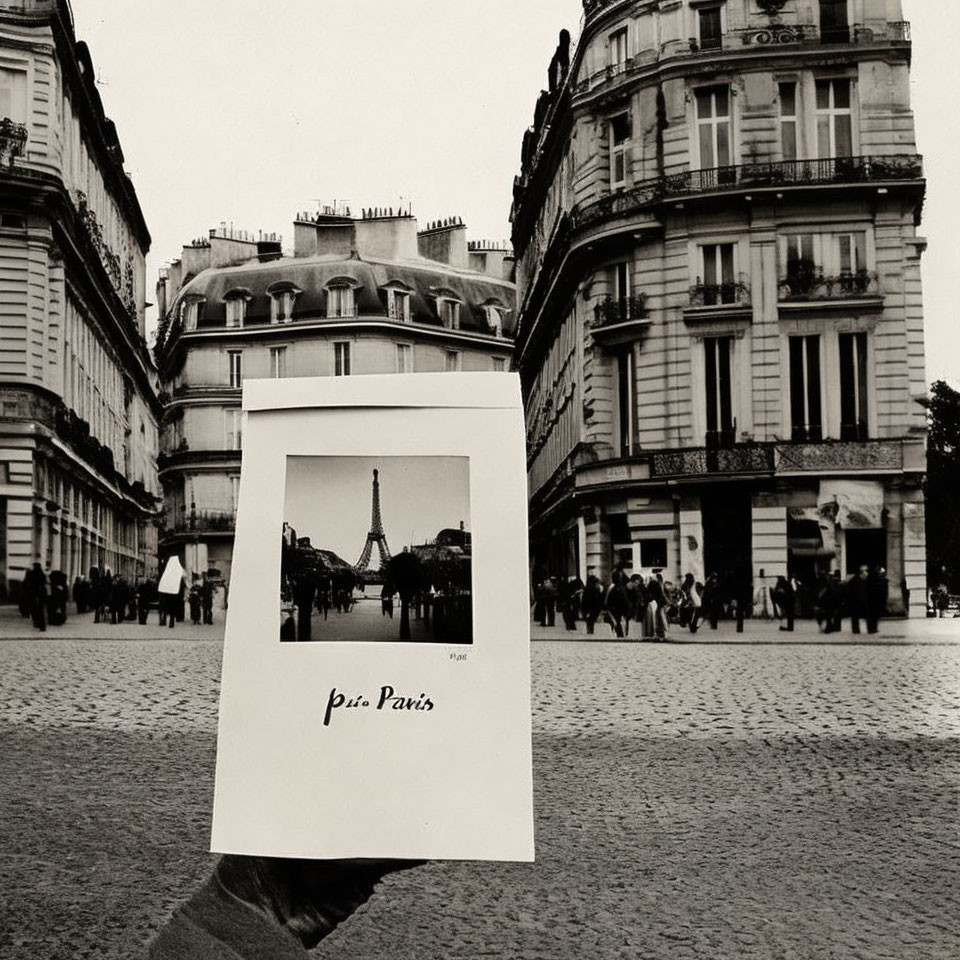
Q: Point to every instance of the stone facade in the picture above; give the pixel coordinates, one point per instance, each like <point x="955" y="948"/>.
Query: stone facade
<point x="78" y="407"/>
<point x="360" y="295"/>
<point x="721" y="330"/>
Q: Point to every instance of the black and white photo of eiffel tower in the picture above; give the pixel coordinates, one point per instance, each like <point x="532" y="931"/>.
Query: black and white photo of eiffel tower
<point x="421" y="593"/>
<point x="376" y="535"/>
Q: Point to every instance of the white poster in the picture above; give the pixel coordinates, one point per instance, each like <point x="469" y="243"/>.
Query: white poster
<point x="375" y="698"/>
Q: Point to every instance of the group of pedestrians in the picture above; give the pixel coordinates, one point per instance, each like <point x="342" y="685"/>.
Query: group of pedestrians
<point x="654" y="604"/>
<point x="650" y="603"/>
<point x="114" y="599"/>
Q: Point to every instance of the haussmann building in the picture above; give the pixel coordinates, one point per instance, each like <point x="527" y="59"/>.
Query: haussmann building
<point x="359" y="295"/>
<point x="720" y="331"/>
<point x="78" y="405"/>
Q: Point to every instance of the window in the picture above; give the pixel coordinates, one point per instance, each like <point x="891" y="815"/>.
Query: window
<point x="234" y="492"/>
<point x="620" y="132"/>
<point x="398" y="305"/>
<point x="618" y="49"/>
<point x="499" y="364"/>
<point x="713" y="126"/>
<point x="191" y="311"/>
<point x="278" y="362"/>
<point x="831" y="264"/>
<point x="719" y="283"/>
<point x="709" y="22"/>
<point x="806" y="418"/>
<point x="834" y="119"/>
<point x="653" y="553"/>
<point x="234" y="418"/>
<point x="235" y="366"/>
<point x="13" y="95"/>
<point x="404" y="358"/>
<point x="788" y="121"/>
<point x="452" y="361"/>
<point x="494" y="315"/>
<point x="721" y="428"/>
<point x="449" y="313"/>
<point x="282" y="297"/>
<point x="340" y="301"/>
<point x="626" y="416"/>
<point x="834" y="25"/>
<point x="853" y="386"/>
<point x="341" y="359"/>
<point x="236" y="310"/>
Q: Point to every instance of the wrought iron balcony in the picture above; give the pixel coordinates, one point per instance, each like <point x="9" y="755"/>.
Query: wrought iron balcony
<point x="750" y="458"/>
<point x="731" y="293"/>
<point x="750" y="176"/>
<point x="13" y="140"/>
<point x="808" y="282"/>
<point x="613" y="310"/>
<point x="840" y="455"/>
<point x="205" y="521"/>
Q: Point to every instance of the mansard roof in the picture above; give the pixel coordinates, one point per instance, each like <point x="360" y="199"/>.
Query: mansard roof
<point x="426" y="279"/>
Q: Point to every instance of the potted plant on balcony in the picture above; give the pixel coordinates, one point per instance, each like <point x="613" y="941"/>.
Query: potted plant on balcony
<point x="13" y="140"/>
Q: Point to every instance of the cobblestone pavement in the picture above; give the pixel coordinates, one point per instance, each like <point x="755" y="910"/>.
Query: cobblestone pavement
<point x="692" y="801"/>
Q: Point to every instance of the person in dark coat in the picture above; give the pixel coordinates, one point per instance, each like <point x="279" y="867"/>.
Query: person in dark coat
<point x="145" y="591"/>
<point x="572" y="602"/>
<point x="206" y="598"/>
<point x="858" y="598"/>
<point x="591" y="605"/>
<point x="57" y="603"/>
<point x="304" y="591"/>
<point x="118" y="599"/>
<point x="77" y="596"/>
<point x="193" y="600"/>
<point x="711" y="600"/>
<point x="35" y="593"/>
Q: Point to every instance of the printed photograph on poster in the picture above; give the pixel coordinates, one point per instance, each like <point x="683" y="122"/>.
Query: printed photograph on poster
<point x="376" y="549"/>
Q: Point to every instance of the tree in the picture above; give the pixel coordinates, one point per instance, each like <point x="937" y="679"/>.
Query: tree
<point x="942" y="486"/>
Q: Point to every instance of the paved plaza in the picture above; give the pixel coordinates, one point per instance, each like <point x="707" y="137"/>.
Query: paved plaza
<point x="693" y="800"/>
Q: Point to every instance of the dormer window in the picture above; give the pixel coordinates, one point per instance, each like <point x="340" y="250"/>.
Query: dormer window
<point x="191" y="310"/>
<point x="282" y="297"/>
<point x="340" y="298"/>
<point x="398" y="301"/>
<point x="235" y="302"/>
<point x="494" y="313"/>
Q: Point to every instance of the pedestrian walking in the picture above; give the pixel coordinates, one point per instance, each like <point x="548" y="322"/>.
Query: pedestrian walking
<point x="572" y="600"/>
<point x="858" y="598"/>
<point x="171" y="588"/>
<point x="57" y="602"/>
<point x="206" y="598"/>
<point x="692" y="600"/>
<point x="193" y="600"/>
<point x="35" y="594"/>
<point x="783" y="591"/>
<point x="549" y="602"/>
<point x="711" y="600"/>
<point x="591" y="604"/>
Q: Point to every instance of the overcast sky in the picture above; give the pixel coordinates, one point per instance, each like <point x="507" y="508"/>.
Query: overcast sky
<point x="328" y="499"/>
<point x="244" y="111"/>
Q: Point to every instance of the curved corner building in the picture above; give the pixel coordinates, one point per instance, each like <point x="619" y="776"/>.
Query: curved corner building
<point x="78" y="404"/>
<point x="720" y="331"/>
<point x="359" y="295"/>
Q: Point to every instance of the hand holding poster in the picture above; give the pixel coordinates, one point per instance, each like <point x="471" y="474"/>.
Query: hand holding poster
<point x="375" y="697"/>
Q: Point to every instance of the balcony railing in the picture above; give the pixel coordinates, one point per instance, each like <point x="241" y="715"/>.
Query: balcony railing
<point x="699" y="461"/>
<point x="734" y="41"/>
<point x="748" y="176"/>
<point x="13" y="140"/>
<point x="810" y="283"/>
<point x="829" y="455"/>
<point x="620" y="310"/>
<point x="205" y="521"/>
<point x="731" y="293"/>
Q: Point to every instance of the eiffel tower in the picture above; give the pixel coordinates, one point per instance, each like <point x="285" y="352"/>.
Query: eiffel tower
<point x="376" y="534"/>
